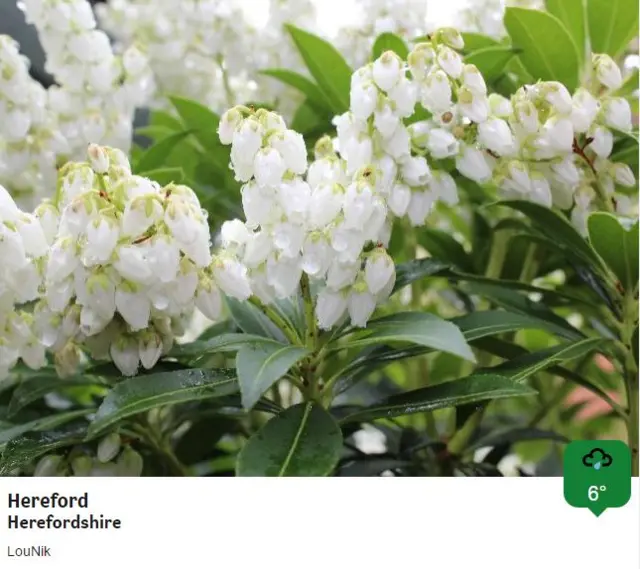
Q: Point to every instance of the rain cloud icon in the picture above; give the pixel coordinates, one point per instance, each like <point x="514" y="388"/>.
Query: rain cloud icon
<point x="597" y="459"/>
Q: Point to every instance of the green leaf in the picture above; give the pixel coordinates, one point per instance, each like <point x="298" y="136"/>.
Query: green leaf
<point x="139" y="394"/>
<point x="406" y="273"/>
<point x="155" y="132"/>
<point x="419" y="328"/>
<point x="158" y="118"/>
<point x="573" y="16"/>
<point x="511" y="436"/>
<point x="559" y="230"/>
<point x="548" y="52"/>
<point x="199" y="119"/>
<point x="252" y="320"/>
<point x="230" y="342"/>
<point x="630" y="84"/>
<point x="445" y="248"/>
<point x="491" y="61"/>
<point x="616" y="245"/>
<point x="388" y="41"/>
<point x="304" y="440"/>
<point x="474" y="41"/>
<point x="155" y="156"/>
<point x="312" y="92"/>
<point x="41" y="424"/>
<point x="25" y="449"/>
<point x="524" y="366"/>
<point x="261" y="364"/>
<point x="612" y="25"/>
<point x="327" y="67"/>
<point x="165" y="176"/>
<point x="37" y="387"/>
<point x="308" y="120"/>
<point x="471" y="389"/>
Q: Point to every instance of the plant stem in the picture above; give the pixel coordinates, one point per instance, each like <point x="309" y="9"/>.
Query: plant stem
<point x="311" y="332"/>
<point x="291" y="334"/>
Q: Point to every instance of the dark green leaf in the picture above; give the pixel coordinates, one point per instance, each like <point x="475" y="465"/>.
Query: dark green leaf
<point x="260" y="365"/>
<point x="223" y="343"/>
<point x="471" y="389"/>
<point x="547" y="50"/>
<point x="326" y="65"/>
<point x="139" y="394"/>
<point x="304" y="440"/>
<point x="572" y="14"/>
<point x="371" y="466"/>
<point x="33" y="389"/>
<point x="309" y="120"/>
<point x="524" y="366"/>
<point x="559" y="230"/>
<point x="511" y="436"/>
<point x="406" y="273"/>
<point x="419" y="328"/>
<point x="491" y="61"/>
<point x="312" y="92"/>
<point x="442" y="246"/>
<point x="42" y="424"/>
<point x="25" y="449"/>
<point x="612" y="25"/>
<point x="388" y="41"/>
<point x="616" y="245"/>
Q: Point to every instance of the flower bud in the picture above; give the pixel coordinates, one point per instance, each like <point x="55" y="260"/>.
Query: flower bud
<point x="450" y="37"/>
<point x="623" y="175"/>
<point x="98" y="158"/>
<point x="387" y="70"/>
<point x="108" y="447"/>
<point x="607" y="72"/>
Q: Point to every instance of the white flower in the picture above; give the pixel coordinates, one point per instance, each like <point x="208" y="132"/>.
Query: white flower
<point x="617" y="114"/>
<point x="361" y="304"/>
<point x="231" y="277"/>
<point x="386" y="120"/>
<point x="623" y="174"/>
<point x="387" y="70"/>
<point x="556" y="137"/>
<point x="379" y="270"/>
<point x="229" y="122"/>
<point x="527" y="116"/>
<point x="444" y="188"/>
<point x="441" y="143"/>
<point x="269" y="167"/>
<point x="566" y="172"/>
<point x="404" y="96"/>
<point x="607" y="72"/>
<point x="98" y="158"/>
<point x="449" y="61"/>
<point x="363" y="96"/>
<point x="208" y="299"/>
<point x="496" y="135"/>
<point x="125" y="355"/>
<point x="133" y="306"/>
<point x="415" y="171"/>
<point x="557" y="95"/>
<point x="330" y="308"/>
<point x="472" y="105"/>
<point x="419" y="207"/>
<point x="399" y="199"/>
<point x="102" y="237"/>
<point x="473" y="80"/>
<point x="399" y="144"/>
<point x="150" y="349"/>
<point x="473" y="164"/>
<point x="436" y="92"/>
<point x="140" y="214"/>
<point x="602" y="143"/>
<point x="499" y="105"/>
<point x="584" y="110"/>
<point x="291" y="147"/>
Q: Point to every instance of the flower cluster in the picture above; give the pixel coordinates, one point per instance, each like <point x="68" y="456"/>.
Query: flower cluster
<point x="406" y="18"/>
<point x="29" y="139"/>
<point x="128" y="263"/>
<point x="23" y="247"/>
<point x="329" y="228"/>
<point x="97" y="90"/>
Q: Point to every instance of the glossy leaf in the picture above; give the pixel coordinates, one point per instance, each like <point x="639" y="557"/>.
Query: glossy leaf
<point x="307" y="87"/>
<point x="491" y="61"/>
<point x="326" y="65"/>
<point x="230" y="342"/>
<point x="27" y="448"/>
<point x="524" y="366"/>
<point x="139" y="394"/>
<point x="406" y="273"/>
<point x="471" y="389"/>
<point x="42" y="424"/>
<point x="261" y="364"/>
<point x="612" y="25"/>
<point x="558" y="229"/>
<point x="547" y="50"/>
<point x="510" y="436"/>
<point x="474" y="41"/>
<point x="388" y="41"/>
<point x="419" y="328"/>
<point x="573" y="16"/>
<point x="616" y="245"/>
<point x="304" y="440"/>
<point x="37" y="387"/>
